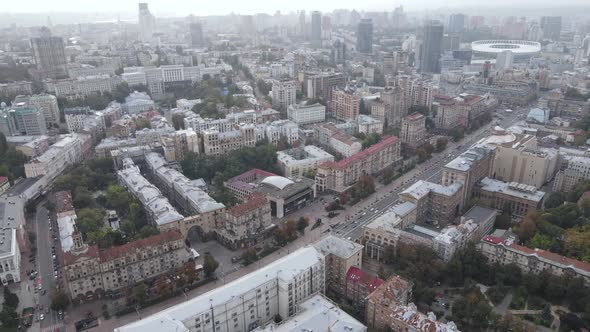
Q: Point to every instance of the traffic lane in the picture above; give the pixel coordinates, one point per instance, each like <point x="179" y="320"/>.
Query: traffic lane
<point x="45" y="266"/>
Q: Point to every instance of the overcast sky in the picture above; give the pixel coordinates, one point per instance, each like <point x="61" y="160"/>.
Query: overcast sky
<point x="208" y="7"/>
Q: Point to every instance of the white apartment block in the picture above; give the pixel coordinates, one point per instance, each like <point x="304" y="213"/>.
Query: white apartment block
<point x="221" y="143"/>
<point x="305" y="114"/>
<point x="248" y="302"/>
<point x="368" y="125"/>
<point x="10" y="258"/>
<point x="283" y="94"/>
<point x="48" y="105"/>
<point x="83" y="86"/>
<point x="298" y="161"/>
<point x="281" y="128"/>
<point x="64" y="153"/>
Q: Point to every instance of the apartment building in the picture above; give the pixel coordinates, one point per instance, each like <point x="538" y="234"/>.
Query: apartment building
<point x="521" y="161"/>
<point x="246" y="223"/>
<point x="339" y="176"/>
<point x="10" y="257"/>
<point x="46" y="103"/>
<point x="91" y="272"/>
<point x="345" y="104"/>
<point x="305" y="114"/>
<point x="395" y="106"/>
<point x="535" y="261"/>
<point x="83" y="119"/>
<point x="382" y="301"/>
<point x="436" y="204"/>
<point x="179" y="143"/>
<point x="250" y="301"/>
<point x="158" y="208"/>
<point x="340" y="255"/>
<point x="221" y="143"/>
<point x="468" y="168"/>
<point x="279" y="129"/>
<point x="572" y="170"/>
<point x="358" y="285"/>
<point x="283" y="94"/>
<point x="520" y="198"/>
<point x="22" y="119"/>
<point x="82" y="87"/>
<point x="321" y="85"/>
<point x="16" y="88"/>
<point x="69" y="150"/>
<point x="337" y="140"/>
<point x="138" y="102"/>
<point x="369" y="125"/>
<point x="509" y="92"/>
<point x="413" y="130"/>
<point x="380" y="233"/>
<point x="299" y="161"/>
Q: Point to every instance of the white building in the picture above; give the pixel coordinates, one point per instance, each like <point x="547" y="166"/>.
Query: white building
<point x="186" y="104"/>
<point x="61" y="155"/>
<point x="245" y="303"/>
<point x="283" y="94"/>
<point x="368" y="125"/>
<point x="282" y="128"/>
<point x="48" y="105"/>
<point x="305" y="114"/>
<point x="138" y="102"/>
<point x="10" y="258"/>
<point x="298" y="161"/>
<point x="83" y="86"/>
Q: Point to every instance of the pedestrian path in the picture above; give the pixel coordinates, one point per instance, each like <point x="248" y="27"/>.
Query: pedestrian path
<point x="54" y="328"/>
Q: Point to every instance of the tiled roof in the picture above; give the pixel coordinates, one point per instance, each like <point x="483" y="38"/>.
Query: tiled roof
<point x="3" y="179"/>
<point x="63" y="201"/>
<point x="69" y="258"/>
<point x="356" y="275"/>
<point x="118" y="251"/>
<point x="252" y="202"/>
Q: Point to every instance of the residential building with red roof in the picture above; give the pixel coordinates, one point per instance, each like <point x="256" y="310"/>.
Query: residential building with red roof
<point x="536" y="261"/>
<point x="91" y="272"/>
<point x="246" y="223"/>
<point x="4" y="184"/>
<point x="359" y="284"/>
<point x="339" y="176"/>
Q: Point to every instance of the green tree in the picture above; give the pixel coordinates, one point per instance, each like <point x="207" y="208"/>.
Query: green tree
<point x="140" y="292"/>
<point x="89" y="220"/>
<point x="554" y="200"/>
<point x="302" y="223"/>
<point x="209" y="265"/>
<point x="249" y="256"/>
<point x="441" y="144"/>
<point x="118" y="198"/>
<point x="8" y="317"/>
<point x="60" y="300"/>
<point x="10" y="299"/>
<point x="178" y="121"/>
<point x="142" y="123"/>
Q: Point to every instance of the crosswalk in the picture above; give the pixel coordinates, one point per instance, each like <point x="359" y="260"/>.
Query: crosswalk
<point x="53" y="328"/>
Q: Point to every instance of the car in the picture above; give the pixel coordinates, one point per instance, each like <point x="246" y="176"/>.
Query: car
<point x="41" y="317"/>
<point x="43" y="292"/>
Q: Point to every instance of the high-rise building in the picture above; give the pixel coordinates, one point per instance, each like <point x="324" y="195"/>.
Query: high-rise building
<point x="398" y="17"/>
<point x="147" y="22"/>
<point x="432" y="47"/>
<point x="197" y="39"/>
<point x="50" y="55"/>
<point x="248" y="28"/>
<point x="302" y="26"/>
<point x="457" y="23"/>
<point x="338" y="54"/>
<point x="326" y="27"/>
<point x="364" y="36"/>
<point x="413" y="129"/>
<point x="316" y="29"/>
<point x="345" y="104"/>
<point x="551" y="26"/>
<point x="283" y="94"/>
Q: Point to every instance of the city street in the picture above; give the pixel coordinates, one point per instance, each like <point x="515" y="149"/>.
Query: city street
<point x="45" y="267"/>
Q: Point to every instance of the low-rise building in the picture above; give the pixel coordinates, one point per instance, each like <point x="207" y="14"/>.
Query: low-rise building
<point x="380" y="233"/>
<point x="10" y="258"/>
<point x="520" y="198"/>
<point x="358" y="285"/>
<point x="535" y="261"/>
<point x="369" y="125"/>
<point x="299" y="161"/>
<point x="34" y="148"/>
<point x="382" y="301"/>
<point x="138" y="102"/>
<point x="219" y="143"/>
<point x="572" y="170"/>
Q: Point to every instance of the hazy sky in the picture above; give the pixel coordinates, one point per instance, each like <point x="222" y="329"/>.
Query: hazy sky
<point x="208" y="7"/>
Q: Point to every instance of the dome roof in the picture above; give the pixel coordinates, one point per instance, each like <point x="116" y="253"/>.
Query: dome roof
<point x="279" y="182"/>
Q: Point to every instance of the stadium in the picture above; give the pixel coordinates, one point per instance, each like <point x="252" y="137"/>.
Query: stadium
<point x="522" y="50"/>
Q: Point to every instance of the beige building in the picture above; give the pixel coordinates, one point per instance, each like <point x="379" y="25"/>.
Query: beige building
<point x="395" y="106"/>
<point x="468" y="168"/>
<point x="520" y="198"/>
<point x="413" y="130"/>
<point x="572" y="170"/>
<point x="91" y="272"/>
<point x="393" y="292"/>
<point x="345" y="104"/>
<point x="283" y="94"/>
<point x="436" y="204"/>
<point x="338" y="176"/>
<point x="221" y="143"/>
<point x="521" y="161"/>
<point x="380" y="233"/>
<point x="298" y="161"/>
<point x="246" y="223"/>
<point x="535" y="261"/>
<point x="340" y="255"/>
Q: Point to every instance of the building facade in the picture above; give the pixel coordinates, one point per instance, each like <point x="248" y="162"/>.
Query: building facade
<point x="413" y="130"/>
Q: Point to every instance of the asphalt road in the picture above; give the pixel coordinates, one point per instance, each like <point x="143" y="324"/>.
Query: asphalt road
<point x="351" y="222"/>
<point x="45" y="266"/>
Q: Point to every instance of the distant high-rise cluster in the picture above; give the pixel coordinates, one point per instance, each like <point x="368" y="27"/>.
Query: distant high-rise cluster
<point x="196" y="30"/>
<point x="551" y="26"/>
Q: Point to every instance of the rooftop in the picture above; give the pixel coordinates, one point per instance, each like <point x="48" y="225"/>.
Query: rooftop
<point x="391" y="291"/>
<point x="422" y="188"/>
<point x="254" y="201"/>
<point x="467" y="159"/>
<point x="317" y="314"/>
<point x="512" y="189"/>
<point x="385" y="142"/>
<point x="284" y="269"/>
<point x="337" y="246"/>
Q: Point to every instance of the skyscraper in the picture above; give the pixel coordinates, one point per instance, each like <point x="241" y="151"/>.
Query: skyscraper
<point x="50" y="55"/>
<point x="364" y="36"/>
<point x="316" y="29"/>
<point x="338" y="53"/>
<point x="551" y="26"/>
<point x="302" y="26"/>
<point x="457" y="23"/>
<point x="197" y="39"/>
<point x="432" y="47"/>
<point x="147" y="22"/>
<point x="398" y="17"/>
